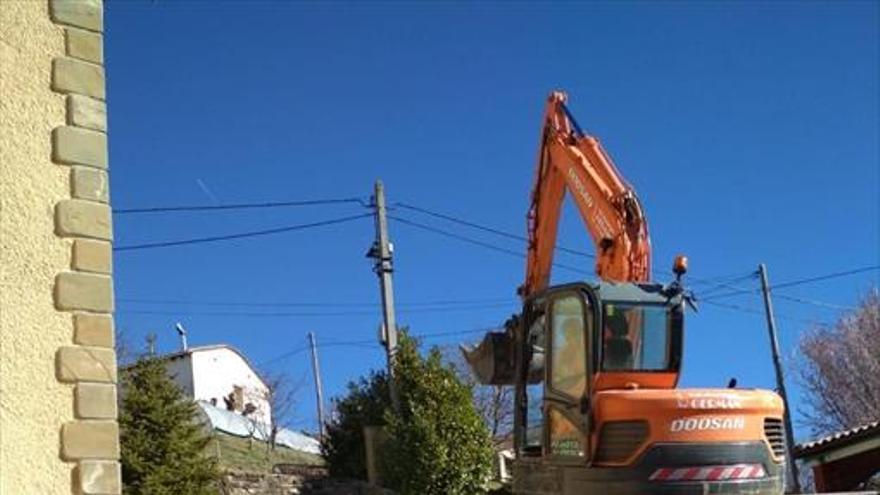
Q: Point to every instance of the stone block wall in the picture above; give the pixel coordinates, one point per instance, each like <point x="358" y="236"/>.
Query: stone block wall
<point x="58" y="429"/>
<point x="86" y="289"/>
<point x="244" y="483"/>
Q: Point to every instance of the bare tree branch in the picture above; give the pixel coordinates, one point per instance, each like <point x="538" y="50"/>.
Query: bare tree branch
<point x="281" y="394"/>
<point x="493" y="403"/>
<point x="840" y="369"/>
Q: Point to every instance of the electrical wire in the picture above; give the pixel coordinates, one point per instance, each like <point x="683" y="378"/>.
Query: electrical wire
<point x="509" y="235"/>
<point x="239" y="206"/>
<point x="756" y="311"/>
<point x="814" y="302"/>
<point x="287" y="314"/>
<point x="709" y="295"/>
<point x="476" y="242"/>
<point x="829" y="276"/>
<point x="717" y="285"/>
<point x="794" y="283"/>
<point x="485" y="228"/>
<point x="438" y="303"/>
<point x="243" y="235"/>
<point x="374" y="342"/>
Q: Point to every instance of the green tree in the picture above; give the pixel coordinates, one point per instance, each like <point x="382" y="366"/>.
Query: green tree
<point x="439" y="444"/>
<point x="364" y="405"/>
<point x="162" y="444"/>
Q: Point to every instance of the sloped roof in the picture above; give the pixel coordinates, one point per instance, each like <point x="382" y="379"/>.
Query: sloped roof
<point x="836" y="440"/>
<point x="241" y="426"/>
<point x="201" y="348"/>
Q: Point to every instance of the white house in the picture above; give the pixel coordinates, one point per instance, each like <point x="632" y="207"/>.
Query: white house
<point x="220" y="375"/>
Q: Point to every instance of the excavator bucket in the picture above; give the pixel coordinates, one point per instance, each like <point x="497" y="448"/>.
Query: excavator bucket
<point x="492" y="360"/>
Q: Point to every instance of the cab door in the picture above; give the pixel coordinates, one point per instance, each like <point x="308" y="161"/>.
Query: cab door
<point x="571" y="320"/>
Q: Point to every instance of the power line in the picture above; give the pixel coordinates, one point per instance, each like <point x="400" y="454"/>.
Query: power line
<point x="717" y="285"/>
<point x="814" y="302"/>
<point x="509" y="235"/>
<point x="437" y="303"/>
<point x="485" y="228"/>
<point x="243" y="235"/>
<point x="746" y="309"/>
<point x="794" y="283"/>
<point x="475" y="241"/>
<point x="826" y="277"/>
<point x="238" y="206"/>
<point x="300" y="350"/>
<point x="456" y="236"/>
<point x="372" y="343"/>
<point x="287" y="314"/>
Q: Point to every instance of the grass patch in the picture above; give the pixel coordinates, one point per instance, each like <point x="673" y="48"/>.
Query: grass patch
<point x="243" y="454"/>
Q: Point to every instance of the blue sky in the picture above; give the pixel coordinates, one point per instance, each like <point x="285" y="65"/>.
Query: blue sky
<point x="750" y="131"/>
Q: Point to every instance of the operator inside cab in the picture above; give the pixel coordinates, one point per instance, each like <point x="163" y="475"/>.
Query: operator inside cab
<point x="617" y="347"/>
<point x="569" y="353"/>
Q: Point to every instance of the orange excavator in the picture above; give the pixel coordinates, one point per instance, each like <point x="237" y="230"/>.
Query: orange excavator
<point x="595" y="364"/>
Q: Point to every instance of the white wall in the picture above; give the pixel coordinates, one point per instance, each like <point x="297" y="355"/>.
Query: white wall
<point x="180" y="371"/>
<point x="217" y="371"/>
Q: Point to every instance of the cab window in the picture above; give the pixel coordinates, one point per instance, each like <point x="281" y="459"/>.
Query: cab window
<point x="569" y="346"/>
<point x="636" y="337"/>
<point x="533" y="441"/>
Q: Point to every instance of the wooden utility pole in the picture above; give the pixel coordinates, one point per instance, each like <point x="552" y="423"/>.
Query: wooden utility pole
<point x="319" y="389"/>
<point x="381" y="252"/>
<point x="794" y="485"/>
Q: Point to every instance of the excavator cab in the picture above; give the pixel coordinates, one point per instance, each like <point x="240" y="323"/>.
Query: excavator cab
<point x="627" y="335"/>
<point x="580" y="338"/>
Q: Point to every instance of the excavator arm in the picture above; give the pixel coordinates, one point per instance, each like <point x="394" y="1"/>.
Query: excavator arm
<point x="570" y="160"/>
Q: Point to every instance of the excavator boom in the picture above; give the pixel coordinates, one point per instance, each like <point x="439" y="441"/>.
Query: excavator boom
<point x="570" y="160"/>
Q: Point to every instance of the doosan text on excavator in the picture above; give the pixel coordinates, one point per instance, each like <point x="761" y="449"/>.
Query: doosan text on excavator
<point x="595" y="364"/>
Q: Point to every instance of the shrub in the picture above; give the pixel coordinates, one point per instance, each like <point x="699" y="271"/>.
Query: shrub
<point x="438" y="445"/>
<point x="363" y="405"/>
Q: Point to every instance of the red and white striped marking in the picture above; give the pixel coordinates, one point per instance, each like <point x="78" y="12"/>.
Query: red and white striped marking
<point x="710" y="473"/>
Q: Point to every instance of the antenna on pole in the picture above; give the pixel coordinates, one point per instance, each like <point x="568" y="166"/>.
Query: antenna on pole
<point x="182" y="332"/>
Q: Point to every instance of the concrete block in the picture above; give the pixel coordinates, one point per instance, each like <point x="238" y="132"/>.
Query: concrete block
<point x="85" y="45"/>
<point x="99" y="477"/>
<point x="93" y="330"/>
<point x="90" y="440"/>
<point x="83" y="291"/>
<point x="70" y="75"/>
<point x="89" y="183"/>
<point x="87" y="14"/>
<point x="92" y="256"/>
<point x="79" y="218"/>
<point x="74" y="145"/>
<point x="83" y="111"/>
<point x="95" y="401"/>
<point x="85" y="364"/>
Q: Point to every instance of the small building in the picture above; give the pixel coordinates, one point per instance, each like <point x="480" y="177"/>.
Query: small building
<point x="845" y="460"/>
<point x="220" y="375"/>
